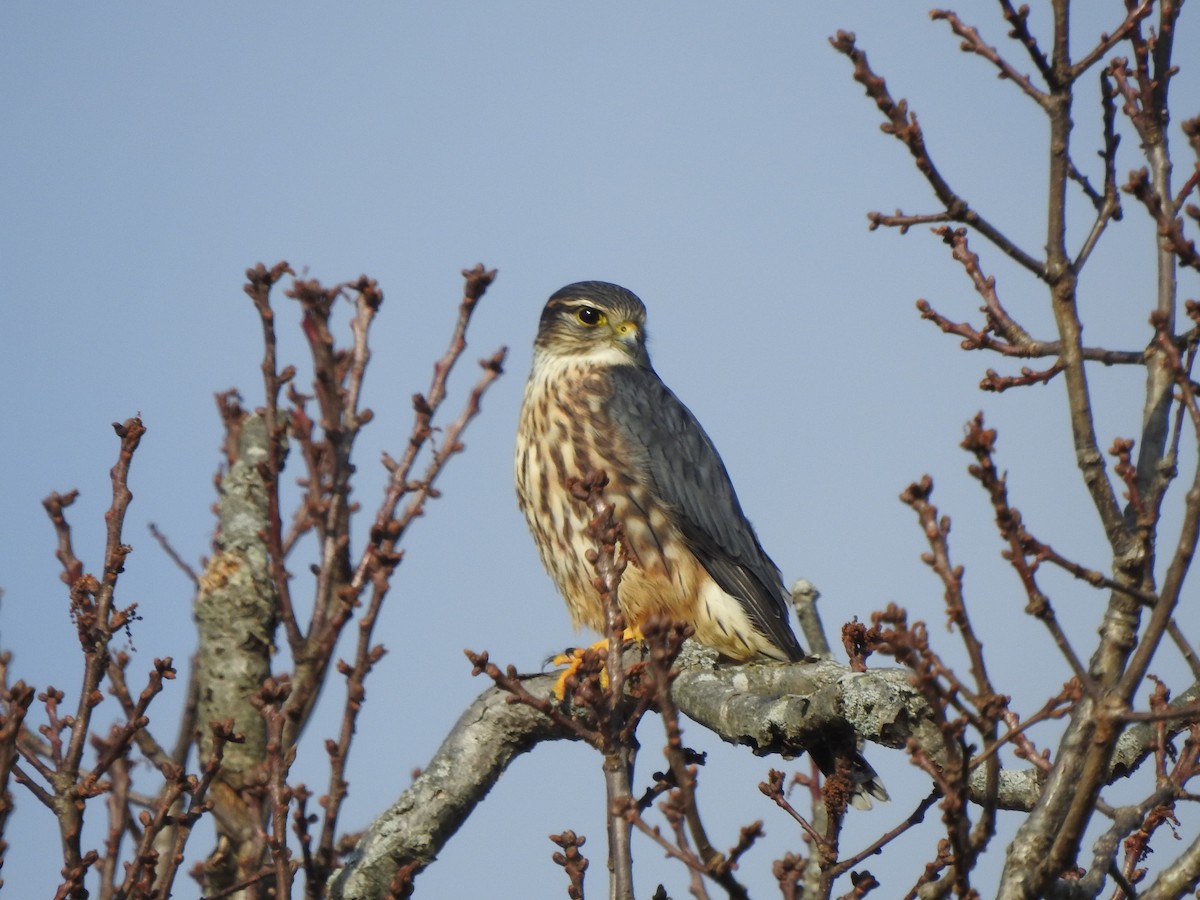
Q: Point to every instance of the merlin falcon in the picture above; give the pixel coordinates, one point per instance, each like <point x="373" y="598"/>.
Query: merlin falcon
<point x="594" y="402"/>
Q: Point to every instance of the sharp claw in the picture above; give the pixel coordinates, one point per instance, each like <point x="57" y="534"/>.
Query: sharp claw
<point x="572" y="658"/>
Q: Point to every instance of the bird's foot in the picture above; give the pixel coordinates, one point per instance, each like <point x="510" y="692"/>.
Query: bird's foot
<point x="573" y="660"/>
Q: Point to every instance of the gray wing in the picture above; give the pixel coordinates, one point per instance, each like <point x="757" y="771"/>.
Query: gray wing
<point x="690" y="479"/>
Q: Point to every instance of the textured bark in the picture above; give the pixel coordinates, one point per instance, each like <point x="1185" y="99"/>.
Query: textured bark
<point x="785" y="708"/>
<point x="235" y="620"/>
<point x="488" y="736"/>
<point x="772" y="708"/>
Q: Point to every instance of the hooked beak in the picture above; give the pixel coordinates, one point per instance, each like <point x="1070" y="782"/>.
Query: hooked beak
<point x="626" y="332"/>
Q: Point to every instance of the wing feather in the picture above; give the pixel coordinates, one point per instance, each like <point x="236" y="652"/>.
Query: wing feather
<point x="688" y="477"/>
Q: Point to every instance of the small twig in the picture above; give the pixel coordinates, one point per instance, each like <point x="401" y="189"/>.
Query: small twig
<point x="381" y="554"/>
<point x="1170" y="227"/>
<point x="181" y="564"/>
<point x="387" y="527"/>
<point x="1001" y="333"/>
<point x="270" y="701"/>
<point x="1189" y="185"/>
<point x="135" y="723"/>
<point x="197" y="802"/>
<point x="1189" y="712"/>
<point x="903" y="125"/>
<point x="609" y="560"/>
<point x="1108" y="207"/>
<point x="96" y="620"/>
<point x="773" y="788"/>
<point x="974" y="43"/>
<point x="665" y="641"/>
<point x="1055" y="708"/>
<point x="141" y="872"/>
<point x="16" y="702"/>
<point x="863" y="883"/>
<point x="1018" y="19"/>
<point x="915" y="818"/>
<point x="981" y="339"/>
<point x="1107" y="41"/>
<point x="903" y="221"/>
<point x="981" y="443"/>
<point x="572" y="861"/>
<point x="993" y="381"/>
<point x="1185" y="647"/>
<point x="259" y="282"/>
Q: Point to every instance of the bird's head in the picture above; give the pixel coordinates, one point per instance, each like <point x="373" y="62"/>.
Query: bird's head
<point x="594" y="321"/>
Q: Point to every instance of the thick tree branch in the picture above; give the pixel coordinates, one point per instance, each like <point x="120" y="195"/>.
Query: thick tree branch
<point x="489" y="735"/>
<point x="770" y="708"/>
<point x="235" y="619"/>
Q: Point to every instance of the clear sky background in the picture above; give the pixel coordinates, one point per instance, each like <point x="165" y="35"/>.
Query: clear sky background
<point x="717" y="159"/>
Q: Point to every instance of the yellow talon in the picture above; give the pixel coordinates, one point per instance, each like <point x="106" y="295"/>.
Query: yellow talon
<point x="573" y="659"/>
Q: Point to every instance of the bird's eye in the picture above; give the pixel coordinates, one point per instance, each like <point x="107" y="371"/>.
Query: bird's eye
<point x="589" y="315"/>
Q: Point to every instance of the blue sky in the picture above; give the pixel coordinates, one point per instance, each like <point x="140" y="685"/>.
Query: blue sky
<point x="717" y="160"/>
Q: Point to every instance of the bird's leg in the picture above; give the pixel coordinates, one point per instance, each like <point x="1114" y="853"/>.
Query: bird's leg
<point x="573" y="659"/>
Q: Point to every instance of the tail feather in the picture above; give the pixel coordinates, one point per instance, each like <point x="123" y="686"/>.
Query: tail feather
<point x="865" y="782"/>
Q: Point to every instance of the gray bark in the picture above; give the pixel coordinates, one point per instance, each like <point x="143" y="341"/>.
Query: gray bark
<point x="488" y="736"/>
<point x="235" y="618"/>
<point x="772" y="708"/>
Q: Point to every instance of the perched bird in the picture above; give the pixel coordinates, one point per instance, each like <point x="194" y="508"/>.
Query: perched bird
<point x="593" y="401"/>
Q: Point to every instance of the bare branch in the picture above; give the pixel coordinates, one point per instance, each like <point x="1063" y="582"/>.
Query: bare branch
<point x="1132" y="20"/>
<point x="974" y="43"/>
<point x="904" y="127"/>
<point x="180" y="562"/>
<point x="1018" y="19"/>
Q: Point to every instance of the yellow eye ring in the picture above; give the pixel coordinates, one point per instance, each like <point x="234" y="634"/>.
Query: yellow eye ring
<point x="589" y="315"/>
